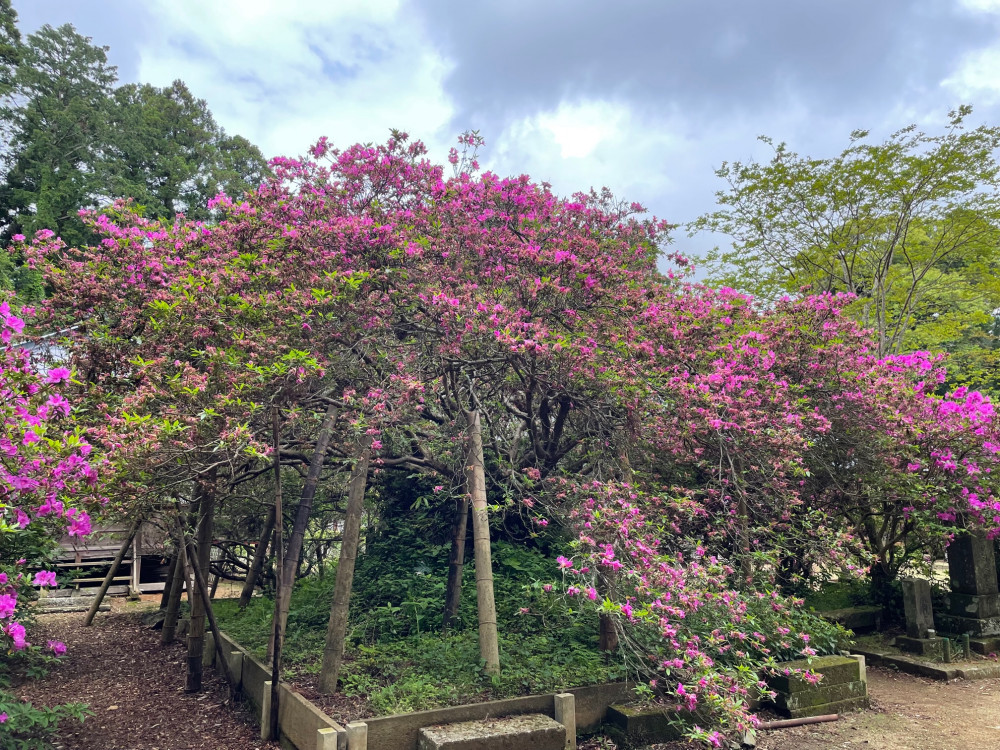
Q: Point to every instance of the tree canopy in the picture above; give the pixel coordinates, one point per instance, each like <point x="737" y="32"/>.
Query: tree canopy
<point x="74" y="141"/>
<point x="909" y="226"/>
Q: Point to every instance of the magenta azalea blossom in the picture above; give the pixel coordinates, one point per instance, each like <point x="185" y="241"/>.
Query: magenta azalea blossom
<point x="58" y="375"/>
<point x="45" y="578"/>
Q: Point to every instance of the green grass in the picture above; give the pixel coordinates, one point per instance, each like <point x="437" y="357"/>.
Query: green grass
<point x="397" y="658"/>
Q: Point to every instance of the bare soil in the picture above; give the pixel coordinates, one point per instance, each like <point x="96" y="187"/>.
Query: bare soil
<point x="908" y="713"/>
<point x="135" y="688"/>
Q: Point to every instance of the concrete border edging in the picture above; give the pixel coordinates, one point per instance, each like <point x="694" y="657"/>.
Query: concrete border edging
<point x="300" y="723"/>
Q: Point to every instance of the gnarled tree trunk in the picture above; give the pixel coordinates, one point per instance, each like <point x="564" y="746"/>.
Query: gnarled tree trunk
<point x="203" y="547"/>
<point x="456" y="562"/>
<point x="177" y="582"/>
<point x="259" y="558"/>
<point x="290" y="560"/>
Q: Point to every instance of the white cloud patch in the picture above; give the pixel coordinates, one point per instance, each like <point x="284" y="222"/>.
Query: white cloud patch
<point x="977" y="77"/>
<point x="981" y="6"/>
<point x="578" y="129"/>
<point x="285" y="73"/>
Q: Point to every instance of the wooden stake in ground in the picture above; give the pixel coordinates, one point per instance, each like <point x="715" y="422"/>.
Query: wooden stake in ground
<point x="106" y="584"/>
<point x="475" y="481"/>
<point x="277" y="624"/>
<point x="336" y="631"/>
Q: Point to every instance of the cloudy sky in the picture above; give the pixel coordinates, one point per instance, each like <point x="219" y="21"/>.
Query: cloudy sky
<point x="647" y="97"/>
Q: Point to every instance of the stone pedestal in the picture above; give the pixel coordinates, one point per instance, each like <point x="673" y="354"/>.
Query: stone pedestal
<point x="917" y="607"/>
<point x="926" y="647"/>
<point x="974" y="602"/>
<point x="843" y="687"/>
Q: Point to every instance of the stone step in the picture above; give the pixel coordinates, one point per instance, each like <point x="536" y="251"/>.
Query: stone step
<point x="64" y="609"/>
<point x="643" y="725"/>
<point x="526" y="732"/>
<point x="835" y="670"/>
<point x="820" y="696"/>
<point x="837" y="707"/>
<point x="84" y="592"/>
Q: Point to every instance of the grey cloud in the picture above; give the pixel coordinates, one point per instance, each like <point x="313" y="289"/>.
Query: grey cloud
<point x="707" y="57"/>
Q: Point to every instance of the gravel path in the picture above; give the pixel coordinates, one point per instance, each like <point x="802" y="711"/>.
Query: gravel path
<point x="135" y="688"/>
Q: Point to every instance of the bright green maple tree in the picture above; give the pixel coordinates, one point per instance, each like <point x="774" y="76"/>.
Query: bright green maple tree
<point x="910" y="226"/>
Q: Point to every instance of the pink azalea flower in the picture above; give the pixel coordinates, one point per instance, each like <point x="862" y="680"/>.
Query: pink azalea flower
<point x="58" y="375"/>
<point x="45" y="578"/>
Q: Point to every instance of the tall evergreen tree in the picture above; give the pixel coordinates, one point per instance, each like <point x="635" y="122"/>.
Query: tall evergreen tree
<point x="167" y="152"/>
<point x="58" y="117"/>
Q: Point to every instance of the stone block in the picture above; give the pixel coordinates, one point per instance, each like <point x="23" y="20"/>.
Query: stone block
<point x="835" y="670"/>
<point x="525" y="732"/>
<point x="862" y="666"/>
<point x="858" y="619"/>
<point x="979" y="607"/>
<point x="917" y="607"/>
<point x="972" y="565"/>
<point x="973" y="626"/>
<point x="986" y="645"/>
<point x="644" y="725"/>
<point x="837" y="707"/>
<point x="821" y="696"/>
<point x="930" y="647"/>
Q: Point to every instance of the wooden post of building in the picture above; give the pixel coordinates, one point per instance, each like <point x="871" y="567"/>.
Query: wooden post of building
<point x="136" y="562"/>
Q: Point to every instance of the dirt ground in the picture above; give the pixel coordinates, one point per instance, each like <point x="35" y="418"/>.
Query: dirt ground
<point x="908" y="713"/>
<point x="135" y="688"/>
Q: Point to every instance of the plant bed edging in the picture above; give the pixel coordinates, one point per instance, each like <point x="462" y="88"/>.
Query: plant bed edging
<point x="401" y="731"/>
<point x="304" y="726"/>
<point x="301" y="725"/>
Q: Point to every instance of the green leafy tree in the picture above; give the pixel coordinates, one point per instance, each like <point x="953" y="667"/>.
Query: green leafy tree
<point x="58" y="117"/>
<point x="168" y="153"/>
<point x="910" y="226"/>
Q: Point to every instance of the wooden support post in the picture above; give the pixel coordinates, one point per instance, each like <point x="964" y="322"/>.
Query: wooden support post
<point x="328" y="738"/>
<point x="89" y="620"/>
<point x="136" y="563"/>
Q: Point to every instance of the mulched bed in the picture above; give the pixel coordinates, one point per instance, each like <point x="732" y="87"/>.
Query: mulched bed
<point x="136" y="689"/>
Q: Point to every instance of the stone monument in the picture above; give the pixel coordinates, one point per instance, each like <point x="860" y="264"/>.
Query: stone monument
<point x="974" y="601"/>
